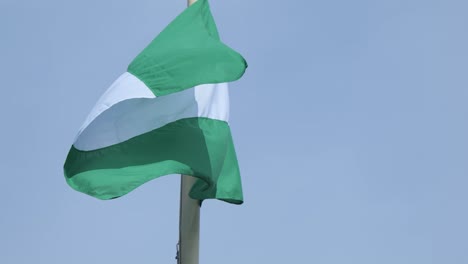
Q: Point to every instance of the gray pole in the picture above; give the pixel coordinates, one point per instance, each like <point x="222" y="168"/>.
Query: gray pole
<point x="189" y="224"/>
<point x="189" y="218"/>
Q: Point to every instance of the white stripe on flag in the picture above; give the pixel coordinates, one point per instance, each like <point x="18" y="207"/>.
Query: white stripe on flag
<point x="128" y="109"/>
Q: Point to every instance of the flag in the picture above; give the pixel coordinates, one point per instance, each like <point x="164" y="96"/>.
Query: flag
<point x="168" y="114"/>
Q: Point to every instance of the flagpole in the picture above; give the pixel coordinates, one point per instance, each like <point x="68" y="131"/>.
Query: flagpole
<point x="189" y="218"/>
<point x="189" y="224"/>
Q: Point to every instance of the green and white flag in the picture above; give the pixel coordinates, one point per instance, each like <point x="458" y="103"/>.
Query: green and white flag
<point x="168" y="114"/>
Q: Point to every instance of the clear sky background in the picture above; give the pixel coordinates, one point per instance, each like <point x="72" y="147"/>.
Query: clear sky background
<point x="351" y="128"/>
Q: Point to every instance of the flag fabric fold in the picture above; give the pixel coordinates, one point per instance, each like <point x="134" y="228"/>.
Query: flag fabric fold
<point x="168" y="114"/>
<point x="188" y="52"/>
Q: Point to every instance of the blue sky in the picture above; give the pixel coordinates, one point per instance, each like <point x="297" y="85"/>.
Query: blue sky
<point x="350" y="127"/>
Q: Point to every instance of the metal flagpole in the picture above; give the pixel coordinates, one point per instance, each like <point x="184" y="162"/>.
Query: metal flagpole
<point x="189" y="224"/>
<point x="189" y="219"/>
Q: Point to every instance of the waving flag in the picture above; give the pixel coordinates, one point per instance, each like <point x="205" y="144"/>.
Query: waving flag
<point x="168" y="114"/>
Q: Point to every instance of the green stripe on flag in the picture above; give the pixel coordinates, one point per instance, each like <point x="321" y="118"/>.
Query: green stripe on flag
<point x="188" y="52"/>
<point x="200" y="147"/>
